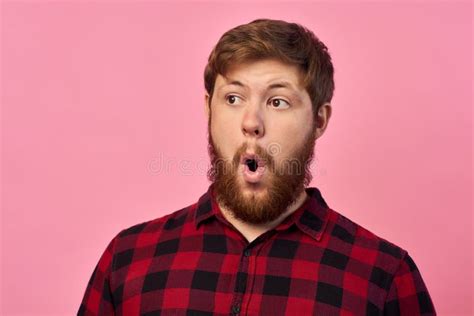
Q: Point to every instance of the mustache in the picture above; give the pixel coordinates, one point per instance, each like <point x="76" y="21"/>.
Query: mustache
<point x="261" y="153"/>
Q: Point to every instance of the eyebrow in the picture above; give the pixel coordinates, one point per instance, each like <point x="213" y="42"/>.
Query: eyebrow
<point x="275" y="85"/>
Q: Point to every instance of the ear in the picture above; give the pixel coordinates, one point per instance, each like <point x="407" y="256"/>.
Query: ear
<point x="207" y="106"/>
<point x="324" y="114"/>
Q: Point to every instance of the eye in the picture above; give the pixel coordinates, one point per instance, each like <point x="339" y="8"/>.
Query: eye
<point x="232" y="99"/>
<point x="279" y="103"/>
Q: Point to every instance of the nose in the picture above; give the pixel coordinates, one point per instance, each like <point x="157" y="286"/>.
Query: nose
<point x="252" y="123"/>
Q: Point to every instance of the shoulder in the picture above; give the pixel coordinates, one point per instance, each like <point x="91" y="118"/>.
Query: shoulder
<point x="145" y="233"/>
<point x="365" y="246"/>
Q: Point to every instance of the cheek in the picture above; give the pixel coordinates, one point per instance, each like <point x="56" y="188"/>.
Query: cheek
<point x="283" y="132"/>
<point x="288" y="138"/>
<point x="225" y="136"/>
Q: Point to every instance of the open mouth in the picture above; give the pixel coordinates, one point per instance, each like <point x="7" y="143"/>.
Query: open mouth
<point x="252" y="161"/>
<point x="254" y="168"/>
<point x="252" y="164"/>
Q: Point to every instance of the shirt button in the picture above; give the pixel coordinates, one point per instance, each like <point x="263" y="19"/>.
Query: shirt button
<point x="247" y="253"/>
<point x="236" y="309"/>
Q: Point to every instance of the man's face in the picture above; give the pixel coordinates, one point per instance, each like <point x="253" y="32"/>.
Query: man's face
<point x="261" y="139"/>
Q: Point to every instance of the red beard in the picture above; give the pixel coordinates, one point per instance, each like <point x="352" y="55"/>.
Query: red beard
<point x="285" y="182"/>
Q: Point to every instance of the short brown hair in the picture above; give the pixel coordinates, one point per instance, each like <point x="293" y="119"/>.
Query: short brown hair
<point x="288" y="42"/>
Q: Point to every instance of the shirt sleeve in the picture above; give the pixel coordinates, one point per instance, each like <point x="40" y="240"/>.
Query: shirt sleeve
<point x="97" y="299"/>
<point x="408" y="294"/>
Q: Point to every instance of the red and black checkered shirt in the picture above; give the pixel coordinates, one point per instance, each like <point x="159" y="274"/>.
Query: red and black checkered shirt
<point x="194" y="262"/>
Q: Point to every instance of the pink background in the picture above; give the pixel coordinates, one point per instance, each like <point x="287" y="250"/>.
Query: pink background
<point x="103" y="127"/>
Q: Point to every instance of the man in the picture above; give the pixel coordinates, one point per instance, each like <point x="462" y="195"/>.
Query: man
<point x="259" y="241"/>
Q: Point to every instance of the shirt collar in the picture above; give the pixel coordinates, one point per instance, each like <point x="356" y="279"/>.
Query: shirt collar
<point x="311" y="217"/>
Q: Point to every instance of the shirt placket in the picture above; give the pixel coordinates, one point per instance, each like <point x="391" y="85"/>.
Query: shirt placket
<point x="245" y="276"/>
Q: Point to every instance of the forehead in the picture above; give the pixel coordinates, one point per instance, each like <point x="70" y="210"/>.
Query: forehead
<point x="263" y="73"/>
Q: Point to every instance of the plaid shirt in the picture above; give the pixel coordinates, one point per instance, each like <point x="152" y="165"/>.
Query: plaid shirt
<point x="193" y="262"/>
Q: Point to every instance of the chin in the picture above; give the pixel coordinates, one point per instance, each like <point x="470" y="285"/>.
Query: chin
<point x="253" y="187"/>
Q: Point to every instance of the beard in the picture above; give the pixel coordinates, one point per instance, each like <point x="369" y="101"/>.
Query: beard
<point x="285" y="182"/>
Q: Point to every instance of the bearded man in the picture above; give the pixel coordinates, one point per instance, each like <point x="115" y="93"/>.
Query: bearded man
<point x="259" y="241"/>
